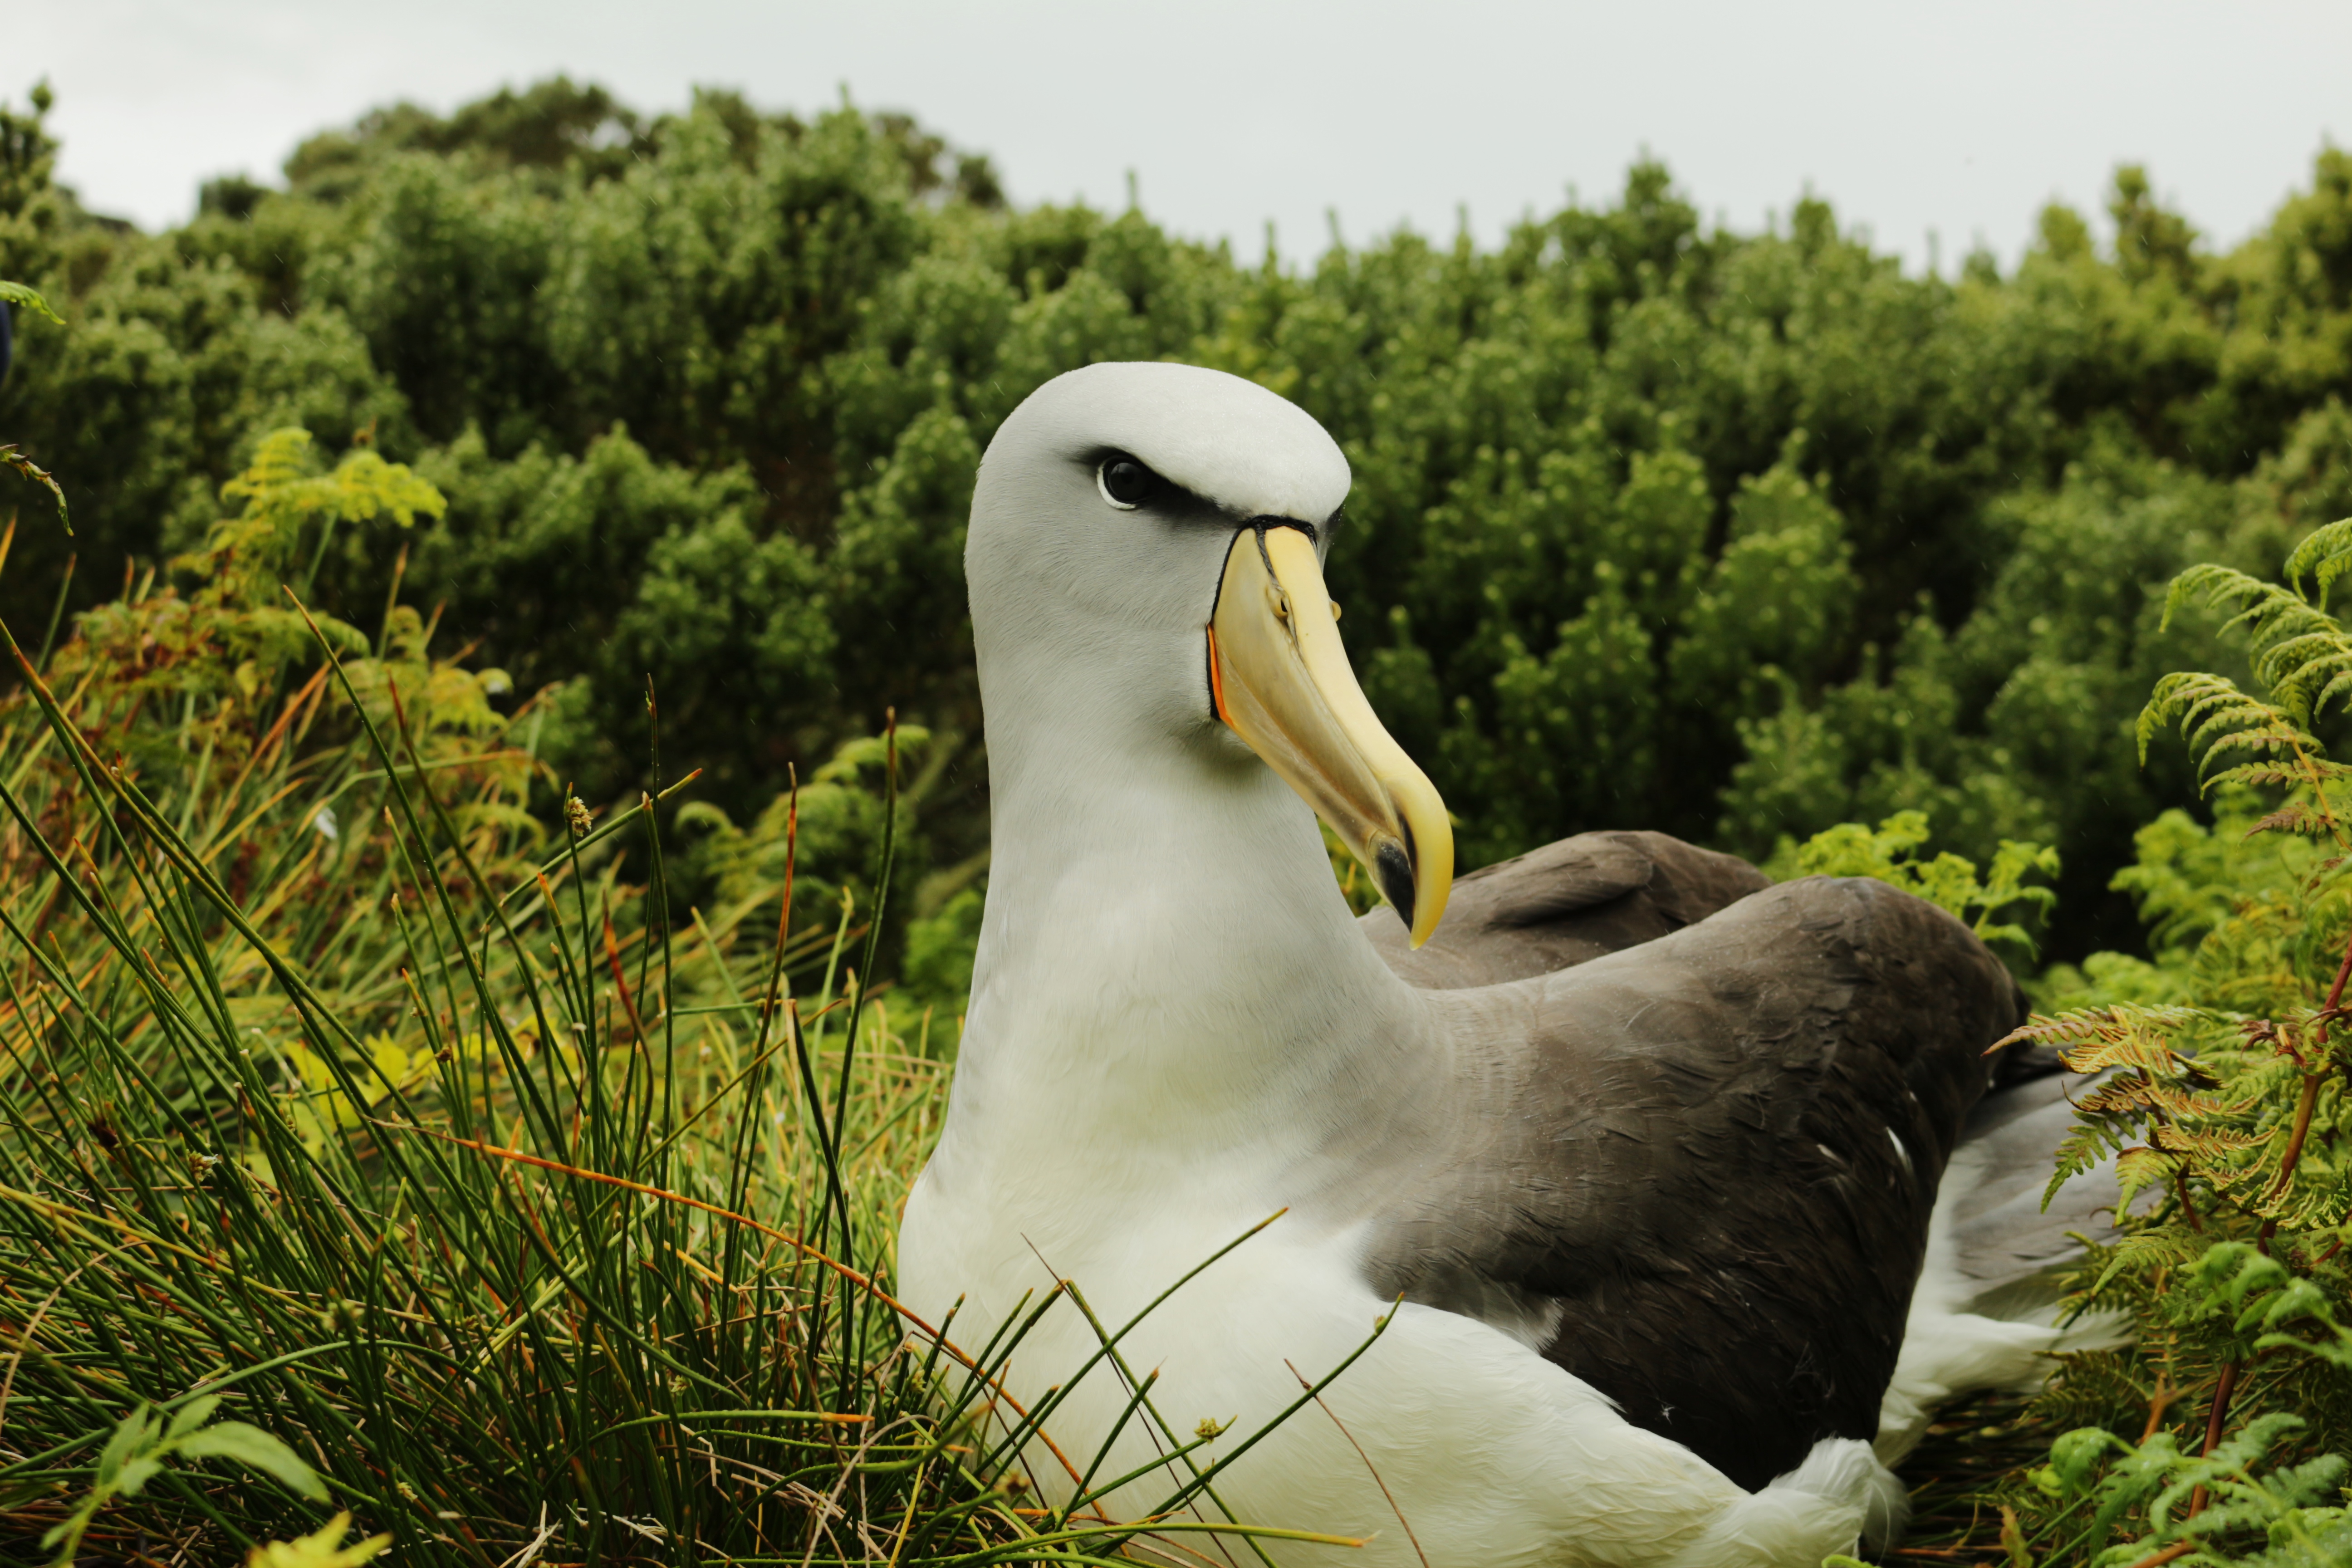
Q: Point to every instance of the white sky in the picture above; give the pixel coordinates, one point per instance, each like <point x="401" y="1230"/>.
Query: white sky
<point x="1961" y="118"/>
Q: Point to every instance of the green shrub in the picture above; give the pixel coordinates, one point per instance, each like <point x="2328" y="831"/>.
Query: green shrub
<point x="1655" y="525"/>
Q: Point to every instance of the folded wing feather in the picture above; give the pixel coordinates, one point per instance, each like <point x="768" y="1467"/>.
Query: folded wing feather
<point x="1709" y="1116"/>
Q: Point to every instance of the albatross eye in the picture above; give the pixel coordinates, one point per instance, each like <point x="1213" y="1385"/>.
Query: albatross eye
<point x="1126" y="483"/>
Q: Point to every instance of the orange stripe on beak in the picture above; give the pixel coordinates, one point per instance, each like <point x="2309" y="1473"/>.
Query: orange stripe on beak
<point x="1217" y="681"/>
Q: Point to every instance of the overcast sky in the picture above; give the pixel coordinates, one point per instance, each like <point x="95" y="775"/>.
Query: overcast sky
<point x="1961" y="118"/>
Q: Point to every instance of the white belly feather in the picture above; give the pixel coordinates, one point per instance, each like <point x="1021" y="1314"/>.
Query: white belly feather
<point x="1492" y="1455"/>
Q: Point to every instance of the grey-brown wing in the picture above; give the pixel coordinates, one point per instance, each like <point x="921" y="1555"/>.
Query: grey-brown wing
<point x="1567" y="903"/>
<point x="1701" y="1169"/>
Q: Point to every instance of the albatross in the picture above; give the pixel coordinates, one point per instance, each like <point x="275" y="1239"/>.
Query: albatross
<point x="1656" y="1202"/>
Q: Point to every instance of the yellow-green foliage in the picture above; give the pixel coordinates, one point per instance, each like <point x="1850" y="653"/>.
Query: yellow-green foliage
<point x="322" y="1548"/>
<point x="1893" y="852"/>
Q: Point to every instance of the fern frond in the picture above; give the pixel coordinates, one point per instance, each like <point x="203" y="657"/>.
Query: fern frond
<point x="2084" y="1145"/>
<point x="2165" y="1248"/>
<point x="2304" y="669"/>
<point x="2310" y="652"/>
<point x="2214" y="715"/>
<point x="2274" y="615"/>
<point x="2296" y="818"/>
<point x="2193" y="692"/>
<point x="2326" y="553"/>
<point x="2160" y="1248"/>
<point x="2137" y="1170"/>
<point x="2256" y="773"/>
<point x="2137" y="1096"/>
<point x="2215" y="585"/>
<point x="2204" y="1146"/>
<point x="2338" y="690"/>
<point x="2172" y="696"/>
<point x="2079" y="1025"/>
<point x="2216" y="740"/>
<point x="2134" y="1048"/>
<point x="2310" y="640"/>
<point x="2312" y="1206"/>
<point x="2300" y="651"/>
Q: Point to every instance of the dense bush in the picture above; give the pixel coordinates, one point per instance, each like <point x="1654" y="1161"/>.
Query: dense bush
<point x="1737" y="535"/>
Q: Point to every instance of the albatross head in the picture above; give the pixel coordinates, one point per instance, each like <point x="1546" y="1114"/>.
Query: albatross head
<point x="1146" y="565"/>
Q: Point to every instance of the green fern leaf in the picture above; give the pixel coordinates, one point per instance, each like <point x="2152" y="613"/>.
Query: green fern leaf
<point x="2326" y="552"/>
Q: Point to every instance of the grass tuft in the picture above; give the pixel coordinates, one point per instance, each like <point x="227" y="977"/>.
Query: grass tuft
<point x="500" y="1205"/>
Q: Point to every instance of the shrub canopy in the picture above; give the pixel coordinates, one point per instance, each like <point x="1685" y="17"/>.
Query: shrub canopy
<point x="1659" y="525"/>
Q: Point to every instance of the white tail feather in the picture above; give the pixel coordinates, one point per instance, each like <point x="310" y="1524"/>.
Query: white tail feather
<point x="1984" y="1314"/>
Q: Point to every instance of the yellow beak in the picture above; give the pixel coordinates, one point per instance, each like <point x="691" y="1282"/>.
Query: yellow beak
<point x="1279" y="676"/>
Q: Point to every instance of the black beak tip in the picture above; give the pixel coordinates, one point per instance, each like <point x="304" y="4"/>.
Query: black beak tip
<point x="1396" y="880"/>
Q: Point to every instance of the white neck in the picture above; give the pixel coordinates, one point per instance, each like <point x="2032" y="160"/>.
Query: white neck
<point x="1166" y="962"/>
